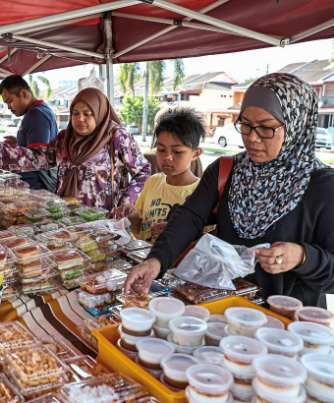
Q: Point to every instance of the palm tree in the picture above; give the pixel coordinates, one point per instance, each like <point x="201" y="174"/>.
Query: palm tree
<point x="129" y="73"/>
<point x="35" y="87"/>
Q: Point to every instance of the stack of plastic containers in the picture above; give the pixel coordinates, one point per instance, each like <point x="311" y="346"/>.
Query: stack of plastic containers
<point x="99" y="291"/>
<point x="175" y="370"/>
<point x="239" y="353"/>
<point x="8" y="393"/>
<point x="91" y="213"/>
<point x="7" y="268"/>
<point x="244" y="321"/>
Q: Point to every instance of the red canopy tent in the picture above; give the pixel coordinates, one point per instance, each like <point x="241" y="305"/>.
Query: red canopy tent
<point x="44" y="35"/>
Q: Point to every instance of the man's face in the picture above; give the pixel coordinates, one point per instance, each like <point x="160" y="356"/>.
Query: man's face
<point x="18" y="104"/>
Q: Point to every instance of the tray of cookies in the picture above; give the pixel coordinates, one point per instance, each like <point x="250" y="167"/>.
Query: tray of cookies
<point x="14" y="335"/>
<point x="59" y="347"/>
<point x="83" y="367"/>
<point x="8" y="393"/>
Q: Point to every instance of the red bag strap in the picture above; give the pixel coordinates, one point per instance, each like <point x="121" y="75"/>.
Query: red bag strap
<point x="225" y="168"/>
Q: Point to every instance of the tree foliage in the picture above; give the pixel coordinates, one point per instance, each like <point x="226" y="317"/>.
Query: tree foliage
<point x="132" y="111"/>
<point x="34" y="85"/>
<point x="129" y="74"/>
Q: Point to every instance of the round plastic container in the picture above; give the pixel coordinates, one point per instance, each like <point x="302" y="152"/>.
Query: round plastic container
<point x="285" y="306"/>
<point x="197" y="312"/>
<point x="128" y="341"/>
<point x="156" y="373"/>
<point x="239" y="352"/>
<point x="317" y="338"/>
<point x="151" y="351"/>
<point x="217" y="318"/>
<point x="182" y="349"/>
<point x="137" y="321"/>
<point x="320" y="370"/>
<point x="215" y="332"/>
<point x="316" y="315"/>
<point x="188" y="331"/>
<point x="241" y="398"/>
<point x="243" y="386"/>
<point x="165" y="309"/>
<point x="130" y="354"/>
<point x="227" y="331"/>
<point x="244" y="321"/>
<point x="280" y="342"/>
<point x="191" y="399"/>
<point x="161" y="332"/>
<point x="278" y="376"/>
<point x="313" y="397"/>
<point x="263" y="397"/>
<point x="274" y="323"/>
<point x="209" y="355"/>
<point x="208" y="383"/>
<point x="175" y="367"/>
<point x="164" y="382"/>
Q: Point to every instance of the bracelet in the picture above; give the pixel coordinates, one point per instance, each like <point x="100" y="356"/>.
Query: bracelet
<point x="304" y="256"/>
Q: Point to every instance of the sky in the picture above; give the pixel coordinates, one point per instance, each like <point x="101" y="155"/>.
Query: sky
<point x="240" y="65"/>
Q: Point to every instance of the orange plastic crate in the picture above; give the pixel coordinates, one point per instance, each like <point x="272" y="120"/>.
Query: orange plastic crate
<point x="112" y="358"/>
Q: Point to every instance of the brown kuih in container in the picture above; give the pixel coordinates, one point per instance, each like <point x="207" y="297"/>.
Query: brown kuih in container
<point x="284" y="305"/>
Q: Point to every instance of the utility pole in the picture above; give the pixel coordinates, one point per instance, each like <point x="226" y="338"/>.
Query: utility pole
<point x="145" y="109"/>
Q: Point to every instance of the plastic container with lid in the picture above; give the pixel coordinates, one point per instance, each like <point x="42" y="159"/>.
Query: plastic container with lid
<point x="313" y="314"/>
<point x="136" y="245"/>
<point x="175" y="367"/>
<point x="59" y="347"/>
<point x="91" y="213"/>
<point x="7" y="258"/>
<point x="105" y="281"/>
<point x="151" y="351"/>
<point x="6" y="236"/>
<point x="40" y="267"/>
<point x="239" y="353"/>
<point x="27" y="254"/>
<point x="313" y="397"/>
<point x="320" y="370"/>
<point x="156" y="373"/>
<point x="35" y="365"/>
<point x="188" y="331"/>
<point x="52" y="397"/>
<point x="57" y="238"/>
<point x="217" y="318"/>
<point x="165" y="309"/>
<point x="209" y="355"/>
<point x="208" y="383"/>
<point x="137" y="321"/>
<point x="197" y="312"/>
<point x="22" y="230"/>
<point x="284" y="305"/>
<point x="182" y="349"/>
<point x="215" y="332"/>
<point x="274" y="323"/>
<point x="317" y="338"/>
<point x="8" y="393"/>
<point x="129" y="341"/>
<point x="83" y="367"/>
<point x="47" y="225"/>
<point x="14" y="335"/>
<point x="128" y="353"/>
<point x="278" y="376"/>
<point x="100" y="390"/>
<point x="139" y="256"/>
<point x="280" y="342"/>
<point x="35" y="215"/>
<point x="243" y="385"/>
<point x="69" y="221"/>
<point x="244" y="321"/>
<point x="95" y="301"/>
<point x="161" y="332"/>
<point x="262" y="396"/>
<point x="242" y="398"/>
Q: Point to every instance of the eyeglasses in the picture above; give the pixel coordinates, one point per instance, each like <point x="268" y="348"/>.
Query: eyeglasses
<point x="262" y="131"/>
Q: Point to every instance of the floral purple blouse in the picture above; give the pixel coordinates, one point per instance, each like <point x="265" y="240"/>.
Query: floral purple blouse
<point x="131" y="169"/>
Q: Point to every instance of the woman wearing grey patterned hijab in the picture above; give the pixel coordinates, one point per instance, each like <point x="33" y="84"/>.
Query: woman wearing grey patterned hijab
<point x="278" y="192"/>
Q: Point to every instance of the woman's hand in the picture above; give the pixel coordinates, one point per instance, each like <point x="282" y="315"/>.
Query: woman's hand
<point x="11" y="140"/>
<point x="141" y="276"/>
<point x="125" y="210"/>
<point x="157" y="229"/>
<point x="280" y="257"/>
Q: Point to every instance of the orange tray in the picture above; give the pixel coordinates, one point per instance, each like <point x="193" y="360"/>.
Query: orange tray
<point x="114" y="360"/>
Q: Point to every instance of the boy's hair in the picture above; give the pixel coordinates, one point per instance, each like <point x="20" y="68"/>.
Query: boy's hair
<point x="185" y="123"/>
<point x="14" y="84"/>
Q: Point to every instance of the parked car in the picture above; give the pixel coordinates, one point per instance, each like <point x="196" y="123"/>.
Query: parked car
<point x="323" y="138"/>
<point x="228" y="136"/>
<point x="133" y="129"/>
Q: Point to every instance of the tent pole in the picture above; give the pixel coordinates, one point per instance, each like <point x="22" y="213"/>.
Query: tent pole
<point x="3" y="59"/>
<point x="33" y="67"/>
<point x="217" y="23"/>
<point x="312" y="31"/>
<point x="50" y="19"/>
<point x="107" y="24"/>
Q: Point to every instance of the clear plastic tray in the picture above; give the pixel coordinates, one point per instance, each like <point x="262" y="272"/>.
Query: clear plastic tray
<point x="6" y="236"/>
<point x="22" y="230"/>
<point x="121" y="264"/>
<point x="139" y="255"/>
<point x="57" y="238"/>
<point x="97" y="301"/>
<point x="49" y="398"/>
<point x="136" y="245"/>
<point x="86" y="243"/>
<point x="134" y="300"/>
<point x="42" y="286"/>
<point x="96" y="256"/>
<point x="166" y="284"/>
<point x="14" y="335"/>
<point x="83" y="367"/>
<point x="35" y="365"/>
<point x="40" y="279"/>
<point x="9" y="394"/>
<point x="9" y="293"/>
<point x="196" y="294"/>
<point x="35" y="215"/>
<point x="57" y="215"/>
<point x="91" y="213"/>
<point x="43" y="195"/>
<point x="69" y="259"/>
<point x="59" y="348"/>
<point x="19" y="242"/>
<point x="55" y="205"/>
<point x="85" y="333"/>
<point x="27" y="254"/>
<point x="39" y="267"/>
<point x="69" y="221"/>
<point x="113" y="387"/>
<point x="71" y="273"/>
<point x="103" y="282"/>
<point x="6" y="258"/>
<point x="47" y="225"/>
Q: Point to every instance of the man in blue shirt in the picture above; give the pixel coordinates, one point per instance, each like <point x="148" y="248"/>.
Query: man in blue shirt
<point x="38" y="127"/>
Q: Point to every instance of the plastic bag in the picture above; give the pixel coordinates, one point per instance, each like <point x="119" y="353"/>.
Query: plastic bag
<point x="214" y="263"/>
<point x="119" y="228"/>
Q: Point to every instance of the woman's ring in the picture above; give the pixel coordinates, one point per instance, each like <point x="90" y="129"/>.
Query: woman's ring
<point x="279" y="260"/>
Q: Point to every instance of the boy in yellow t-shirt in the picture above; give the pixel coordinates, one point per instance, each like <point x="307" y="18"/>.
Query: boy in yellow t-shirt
<point x="176" y="137"/>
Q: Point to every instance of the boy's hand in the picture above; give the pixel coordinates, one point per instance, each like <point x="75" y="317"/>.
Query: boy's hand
<point x="157" y="229"/>
<point x="125" y="210"/>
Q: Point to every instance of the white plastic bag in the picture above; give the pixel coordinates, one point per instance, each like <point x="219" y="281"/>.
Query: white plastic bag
<point x="214" y="263"/>
<point x="119" y="228"/>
